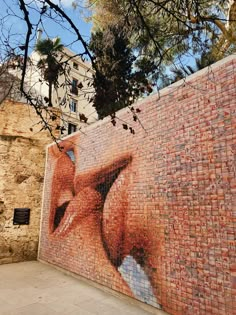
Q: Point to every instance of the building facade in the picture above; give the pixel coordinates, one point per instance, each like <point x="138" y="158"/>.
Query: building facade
<point x="73" y="93"/>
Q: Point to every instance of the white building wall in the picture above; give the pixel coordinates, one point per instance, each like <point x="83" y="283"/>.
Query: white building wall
<point x="62" y="95"/>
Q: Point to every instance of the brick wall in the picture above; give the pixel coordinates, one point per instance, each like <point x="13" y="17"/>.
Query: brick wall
<point x="22" y="159"/>
<point x="150" y="214"/>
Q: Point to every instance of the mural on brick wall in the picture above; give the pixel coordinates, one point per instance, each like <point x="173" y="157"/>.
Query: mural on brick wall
<point x="101" y="194"/>
<point x="150" y="214"/>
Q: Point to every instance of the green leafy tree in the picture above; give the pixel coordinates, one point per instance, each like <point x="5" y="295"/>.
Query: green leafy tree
<point x="49" y="62"/>
<point x="116" y="83"/>
<point x="164" y="32"/>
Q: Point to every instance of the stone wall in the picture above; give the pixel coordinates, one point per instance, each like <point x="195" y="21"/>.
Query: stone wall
<point x="150" y="214"/>
<point x="22" y="159"/>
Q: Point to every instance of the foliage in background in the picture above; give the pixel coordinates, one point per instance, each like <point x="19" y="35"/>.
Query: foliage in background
<point x="116" y="83"/>
<point x="171" y="33"/>
<point x="49" y="63"/>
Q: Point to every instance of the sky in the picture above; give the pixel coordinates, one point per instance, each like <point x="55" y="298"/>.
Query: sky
<point x="11" y="17"/>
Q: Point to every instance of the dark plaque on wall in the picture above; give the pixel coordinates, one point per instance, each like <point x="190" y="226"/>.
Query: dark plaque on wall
<point x="21" y="216"/>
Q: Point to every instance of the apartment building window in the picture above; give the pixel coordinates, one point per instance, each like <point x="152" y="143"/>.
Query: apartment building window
<point x="75" y="66"/>
<point x="73" y="105"/>
<point x="71" y="128"/>
<point x="74" y="86"/>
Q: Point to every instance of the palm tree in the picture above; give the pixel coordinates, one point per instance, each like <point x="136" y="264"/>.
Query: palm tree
<point x="49" y="64"/>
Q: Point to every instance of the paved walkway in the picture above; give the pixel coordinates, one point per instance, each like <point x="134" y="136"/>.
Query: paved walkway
<point x="33" y="288"/>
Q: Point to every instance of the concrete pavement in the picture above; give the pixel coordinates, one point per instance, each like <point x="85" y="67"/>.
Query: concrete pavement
<point x="34" y="288"/>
